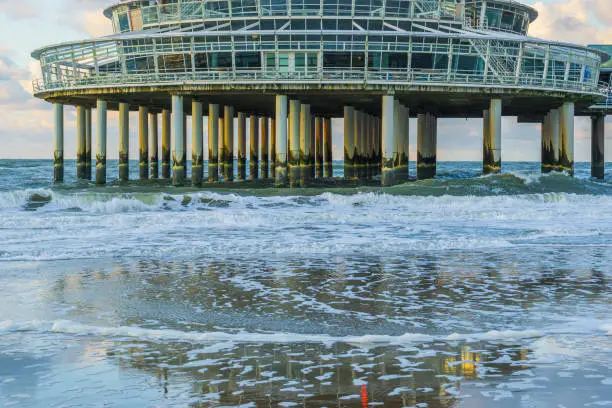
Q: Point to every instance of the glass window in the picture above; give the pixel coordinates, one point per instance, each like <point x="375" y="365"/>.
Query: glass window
<point x="124" y="22"/>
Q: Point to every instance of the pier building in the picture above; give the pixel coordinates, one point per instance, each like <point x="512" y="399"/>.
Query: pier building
<point x="284" y="68"/>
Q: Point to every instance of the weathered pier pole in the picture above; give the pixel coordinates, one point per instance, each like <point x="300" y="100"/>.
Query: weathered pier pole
<point x="213" y="143"/>
<point x="281" y="144"/>
<point x="349" y="143"/>
<point x="550" y="141"/>
<point x="598" y="137"/>
<point x="88" y="146"/>
<point x="221" y="143"/>
<point x="327" y="148"/>
<point x="389" y="140"/>
<point x="166" y="144"/>
<point x="58" y="153"/>
<point x="403" y="142"/>
<point x="81" y="143"/>
<point x="241" y="123"/>
<point x="154" y="145"/>
<point x="294" y="142"/>
<point x="101" y="141"/>
<point x="319" y="124"/>
<point x="228" y="143"/>
<point x="427" y="146"/>
<point x="360" y="142"/>
<point x="492" y="138"/>
<point x="143" y="137"/>
<point x="367" y="152"/>
<point x="265" y="147"/>
<point x="254" y="147"/>
<point x="197" y="143"/>
<point x="124" y="141"/>
<point x="566" y="138"/>
<point x="306" y="156"/>
<point x="272" y="148"/>
<point x="179" y="155"/>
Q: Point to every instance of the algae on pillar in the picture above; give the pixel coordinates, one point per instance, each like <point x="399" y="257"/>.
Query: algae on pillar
<point x="403" y="126"/>
<point x="319" y="121"/>
<point x="294" y="142"/>
<point x="197" y="143"/>
<point x="349" y="142"/>
<point x="124" y="142"/>
<point x="389" y="140"/>
<point x="265" y="147"/>
<point x="228" y="143"/>
<point x="166" y="144"/>
<point x="143" y="136"/>
<point x="492" y="138"/>
<point x="58" y="153"/>
<point x="427" y="139"/>
<point x="306" y="157"/>
<point x="566" y="138"/>
<point x="280" y="145"/>
<point x="550" y="141"/>
<point x="598" y="123"/>
<point x="328" y="165"/>
<point x="241" y="123"/>
<point x="254" y="147"/>
<point x="81" y="143"/>
<point x="88" y="134"/>
<point x="154" y="145"/>
<point x="101" y="137"/>
<point x="179" y="155"/>
<point x="272" y="148"/>
<point x="213" y="143"/>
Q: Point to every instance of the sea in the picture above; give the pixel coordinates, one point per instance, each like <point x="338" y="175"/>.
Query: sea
<point x="464" y="291"/>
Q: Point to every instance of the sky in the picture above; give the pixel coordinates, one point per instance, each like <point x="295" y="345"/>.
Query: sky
<point x="26" y="124"/>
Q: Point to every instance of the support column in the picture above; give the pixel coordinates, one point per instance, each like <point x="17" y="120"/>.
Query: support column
<point x="228" y="143"/>
<point x="88" y="148"/>
<point x="124" y="142"/>
<point x="143" y="136"/>
<point x="492" y="138"/>
<point x="179" y="155"/>
<point x="221" y="144"/>
<point x="81" y="143"/>
<point x="166" y="143"/>
<point x="213" y="143"/>
<point x="313" y="146"/>
<point x="241" y="146"/>
<point x="378" y="157"/>
<point x="294" y="142"/>
<point x="550" y="141"/>
<point x="281" y="140"/>
<point x="349" y="143"/>
<point x="58" y="153"/>
<point x="598" y="125"/>
<point x="389" y="140"/>
<point x="272" y="149"/>
<point x="101" y="143"/>
<point x="566" y="138"/>
<point x="319" y="125"/>
<point x="404" y="143"/>
<point x="427" y="146"/>
<point x="306" y="165"/>
<point x="197" y="143"/>
<point x="265" y="148"/>
<point x="254" y="147"/>
<point x="360" y="130"/>
<point x="154" y="145"/>
<point x="328" y="164"/>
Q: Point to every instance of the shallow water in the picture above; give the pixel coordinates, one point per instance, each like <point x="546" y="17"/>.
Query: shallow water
<point x="458" y="292"/>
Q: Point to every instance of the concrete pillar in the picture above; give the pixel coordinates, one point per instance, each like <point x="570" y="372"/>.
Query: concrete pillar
<point x="349" y="142"/>
<point x="221" y="151"/>
<point x="389" y="140"/>
<point x="213" y="143"/>
<point x="88" y="147"/>
<point x="58" y="153"/>
<point x="81" y="143"/>
<point x="328" y="164"/>
<point x="143" y="137"/>
<point x="566" y="138"/>
<point x="241" y="123"/>
<point x="153" y="145"/>
<point x="360" y="142"/>
<point x="598" y="125"/>
<point x="550" y="141"/>
<point x="306" y="157"/>
<point x="427" y="146"/>
<point x="404" y="143"/>
<point x="367" y="146"/>
<point x="101" y="143"/>
<point x="319" y="125"/>
<point x="179" y="155"/>
<point x="378" y="157"/>
<point x="281" y="147"/>
<point x="166" y="144"/>
<point x="124" y="142"/>
<point x="313" y="146"/>
<point x="254" y="147"/>
<point x="228" y="143"/>
<point x="294" y="142"/>
<point x="491" y="162"/>
<point x="197" y="143"/>
<point x="265" y="147"/>
<point x="272" y="148"/>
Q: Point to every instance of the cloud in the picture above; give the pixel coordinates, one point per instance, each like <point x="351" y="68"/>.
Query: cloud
<point x="24" y="9"/>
